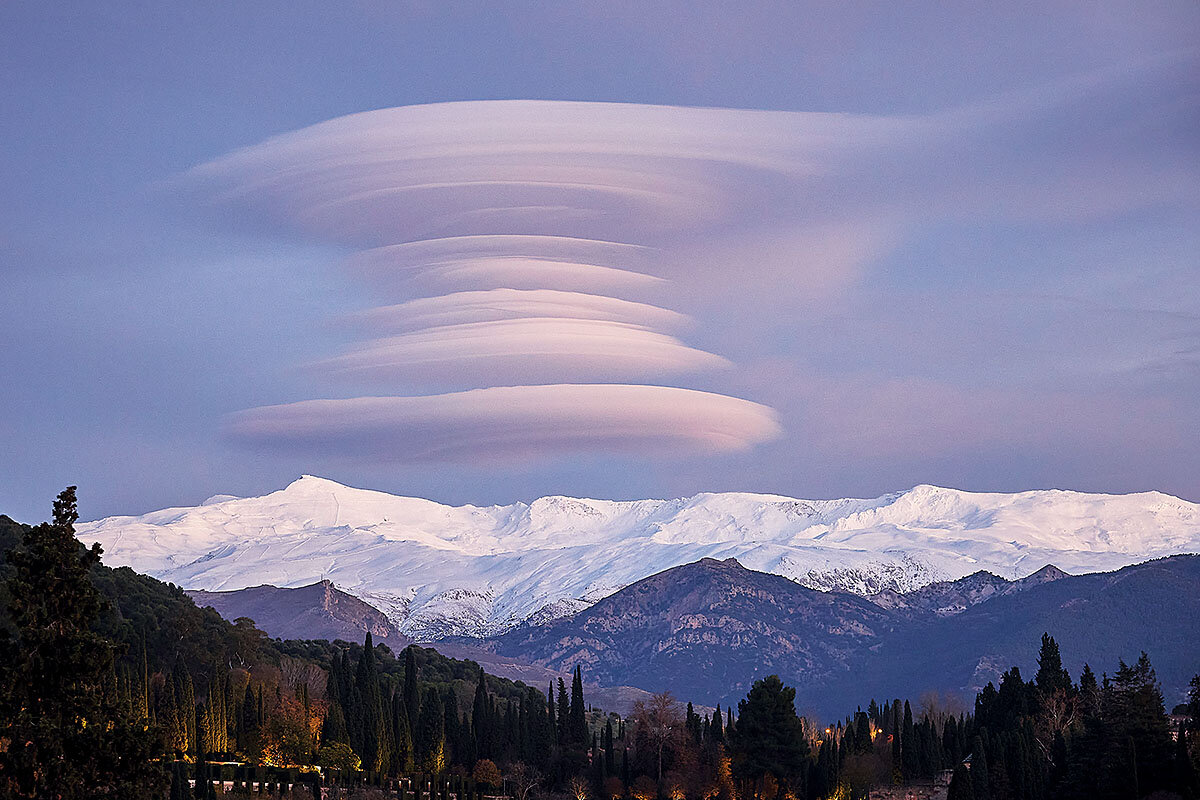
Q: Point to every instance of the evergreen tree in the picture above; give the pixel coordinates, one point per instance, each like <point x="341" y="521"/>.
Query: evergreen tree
<point x="333" y="727"/>
<point x="715" y="732"/>
<point x="564" y="716"/>
<point x="980" y="777"/>
<point x="610" y="757"/>
<point x="1051" y="677"/>
<point x="578" y="726"/>
<point x="768" y="739"/>
<point x="411" y="700"/>
<point x="432" y="733"/>
<point x="550" y="712"/>
<point x="402" y="759"/>
<point x="1139" y="751"/>
<point x="960" y="785"/>
<point x="910" y="760"/>
<point x="66" y="737"/>
<point x="897" y="764"/>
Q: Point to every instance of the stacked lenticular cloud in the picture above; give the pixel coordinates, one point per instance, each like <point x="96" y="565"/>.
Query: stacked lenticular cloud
<point x="518" y="247"/>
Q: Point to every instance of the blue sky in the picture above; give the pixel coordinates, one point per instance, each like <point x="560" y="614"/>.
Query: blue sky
<point x="999" y="290"/>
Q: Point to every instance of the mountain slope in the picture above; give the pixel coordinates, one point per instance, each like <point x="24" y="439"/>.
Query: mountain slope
<point x="705" y="625"/>
<point x="318" y="611"/>
<point x="1096" y="618"/>
<point x="439" y="570"/>
<point x="947" y="598"/>
<point x="707" y="630"/>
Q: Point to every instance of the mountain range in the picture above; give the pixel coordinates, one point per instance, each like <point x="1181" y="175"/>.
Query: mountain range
<point x="707" y="630"/>
<point x="437" y="571"/>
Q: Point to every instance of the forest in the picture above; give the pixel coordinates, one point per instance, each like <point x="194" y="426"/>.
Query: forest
<point x="113" y="684"/>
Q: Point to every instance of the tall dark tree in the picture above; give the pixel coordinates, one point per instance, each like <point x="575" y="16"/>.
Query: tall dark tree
<point x="1139" y="750"/>
<point x="960" y="785"/>
<point x="1051" y="677"/>
<point x="66" y="736"/>
<point x="981" y="784"/>
<point x="768" y="739"/>
<point x="578" y="729"/>
<point x="910" y="757"/>
<point x="411" y="700"/>
<point x="564" y="715"/>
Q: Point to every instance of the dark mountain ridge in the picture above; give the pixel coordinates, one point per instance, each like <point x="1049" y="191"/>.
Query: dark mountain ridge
<point x="317" y="611"/>
<point x="707" y="630"/>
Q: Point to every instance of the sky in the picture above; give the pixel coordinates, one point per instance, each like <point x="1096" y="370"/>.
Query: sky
<point x="631" y="250"/>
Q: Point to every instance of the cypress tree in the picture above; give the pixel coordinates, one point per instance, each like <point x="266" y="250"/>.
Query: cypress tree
<point x="333" y="727"/>
<point x="478" y="720"/>
<point x="185" y="694"/>
<point x="897" y="771"/>
<point x="433" y="733"/>
<point x="402" y="734"/>
<point x="980" y="779"/>
<point x="715" y="732"/>
<point x="610" y="756"/>
<point x="564" y="715"/>
<point x="579" y="728"/>
<point x="550" y="715"/>
<point x="411" y="700"/>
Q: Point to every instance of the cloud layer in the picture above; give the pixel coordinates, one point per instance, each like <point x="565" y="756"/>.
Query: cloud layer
<point x="513" y="304"/>
<point x="529" y="349"/>
<point x="512" y="422"/>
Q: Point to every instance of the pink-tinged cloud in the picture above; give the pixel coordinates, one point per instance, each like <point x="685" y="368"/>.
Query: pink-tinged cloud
<point x="512" y="423"/>
<point x="506" y="261"/>
<point x="494" y="305"/>
<point x="532" y="350"/>
<point x="599" y="170"/>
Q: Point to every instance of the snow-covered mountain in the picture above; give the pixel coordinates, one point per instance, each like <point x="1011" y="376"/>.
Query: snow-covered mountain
<point x="441" y="570"/>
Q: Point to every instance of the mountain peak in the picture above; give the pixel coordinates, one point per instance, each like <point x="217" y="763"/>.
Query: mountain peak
<point x="306" y="483"/>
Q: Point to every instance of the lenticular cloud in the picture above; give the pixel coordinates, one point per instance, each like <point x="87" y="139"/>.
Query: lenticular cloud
<point x="517" y="249"/>
<point x="512" y="422"/>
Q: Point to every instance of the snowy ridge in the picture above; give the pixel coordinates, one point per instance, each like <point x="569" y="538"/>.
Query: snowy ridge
<point x="439" y="570"/>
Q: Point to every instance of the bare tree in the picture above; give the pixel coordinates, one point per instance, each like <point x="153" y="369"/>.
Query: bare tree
<point x="524" y="779"/>
<point x="294" y="672"/>
<point x="660" y="721"/>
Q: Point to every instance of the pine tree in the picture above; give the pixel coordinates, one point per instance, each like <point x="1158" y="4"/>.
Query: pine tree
<point x="769" y="738"/>
<point x="1051" y="677"/>
<point x="65" y="734"/>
